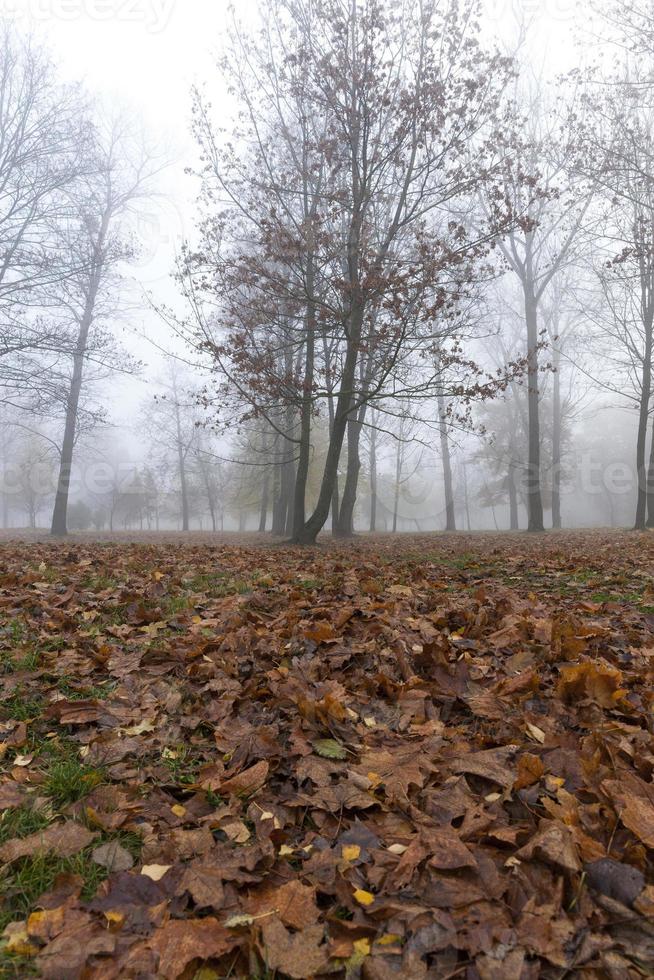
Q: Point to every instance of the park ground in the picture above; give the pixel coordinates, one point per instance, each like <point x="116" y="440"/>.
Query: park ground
<point x="415" y="756"/>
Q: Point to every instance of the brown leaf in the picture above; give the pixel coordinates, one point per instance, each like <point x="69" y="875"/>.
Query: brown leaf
<point x="64" y="839"/>
<point x="180" y="941"/>
<point x="204" y="883"/>
<point x="554" y="843"/>
<point x="597" y="682"/>
<point x="299" y="954"/>
<point x="634" y="801"/>
<point x="247" y="782"/>
<point x="530" y="770"/>
<point x="11" y="795"/>
<point x="619" y="881"/>
<point x="495" y="765"/>
<point x="294" y="903"/>
<point x="113" y="856"/>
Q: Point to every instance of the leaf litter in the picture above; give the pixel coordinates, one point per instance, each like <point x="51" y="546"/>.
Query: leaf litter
<point x="414" y="757"/>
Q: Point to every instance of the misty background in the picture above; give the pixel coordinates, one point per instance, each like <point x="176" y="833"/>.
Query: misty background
<point x="179" y="183"/>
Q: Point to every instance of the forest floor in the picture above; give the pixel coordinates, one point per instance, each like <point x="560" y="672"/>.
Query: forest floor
<point x="422" y="756"/>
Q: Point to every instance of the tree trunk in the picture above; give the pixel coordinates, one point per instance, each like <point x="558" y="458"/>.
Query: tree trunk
<point x="650" y="480"/>
<point x="181" y="465"/>
<point x="556" y="439"/>
<point x="306" y="408"/>
<point x="309" y="532"/>
<point x="465" y="496"/>
<point x="373" y="479"/>
<point x="398" y="477"/>
<point x="643" y="418"/>
<point x="59" y="525"/>
<point x="534" y="497"/>
<point x="289" y="493"/>
<point x="450" y="519"/>
<point x="513" y="498"/>
<point x="345" y="527"/>
<point x="263" y="512"/>
<point x="278" y="510"/>
<point x="335" y="504"/>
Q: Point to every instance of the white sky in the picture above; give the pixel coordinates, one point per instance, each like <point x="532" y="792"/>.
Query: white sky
<point x="148" y="53"/>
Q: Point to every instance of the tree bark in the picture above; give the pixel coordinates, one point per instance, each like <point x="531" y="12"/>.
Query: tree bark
<point x="534" y="496"/>
<point x="345" y="526"/>
<point x="373" y="480"/>
<point x="513" y="498"/>
<point x="181" y="466"/>
<point x="556" y="439"/>
<point x="263" y="512"/>
<point x="398" y="477"/>
<point x="309" y="532"/>
<point x="650" y="480"/>
<point x="450" y="519"/>
<point x="59" y="526"/>
<point x="641" y="440"/>
<point x="306" y="408"/>
<point x="466" y="501"/>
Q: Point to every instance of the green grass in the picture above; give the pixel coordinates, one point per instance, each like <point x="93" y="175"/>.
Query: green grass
<point x="23" y="881"/>
<point x="21" y="822"/>
<point x="74" y="692"/>
<point x="312" y="583"/>
<point x="20" y="706"/>
<point x="99" y="583"/>
<point x="217" y="585"/>
<point x="176" y="604"/>
<point x="182" y="764"/>
<point x="69" y="780"/>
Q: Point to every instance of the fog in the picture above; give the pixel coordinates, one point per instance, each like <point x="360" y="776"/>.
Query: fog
<point x="342" y="267"/>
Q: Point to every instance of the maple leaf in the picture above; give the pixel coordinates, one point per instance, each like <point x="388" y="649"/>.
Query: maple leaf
<point x="180" y="941"/>
<point x="299" y="954"/>
<point x="597" y="682"/>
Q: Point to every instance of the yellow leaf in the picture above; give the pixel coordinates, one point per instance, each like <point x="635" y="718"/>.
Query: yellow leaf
<point x="17" y="940"/>
<point x="398" y="848"/>
<point x="389" y="939"/>
<point x="115" y="918"/>
<point x="362" y="947"/>
<point x="351" y="852"/>
<point x="178" y="809"/>
<point x="155" y="871"/>
<point x="536" y="733"/>
<point x="364" y="897"/>
<point x="286" y="851"/>
<point x="143" y="726"/>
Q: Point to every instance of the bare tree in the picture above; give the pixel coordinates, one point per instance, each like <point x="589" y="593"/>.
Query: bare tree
<point x="121" y="178"/>
<point x="44" y="141"/>
<point x="544" y="244"/>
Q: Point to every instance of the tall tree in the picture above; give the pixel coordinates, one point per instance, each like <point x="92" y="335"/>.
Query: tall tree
<point x="44" y="141"/>
<point x="121" y="177"/>
<point x="344" y="232"/>
<point x="538" y="249"/>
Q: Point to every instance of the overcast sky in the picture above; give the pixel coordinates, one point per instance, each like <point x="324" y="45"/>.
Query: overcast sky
<point x="148" y="53"/>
